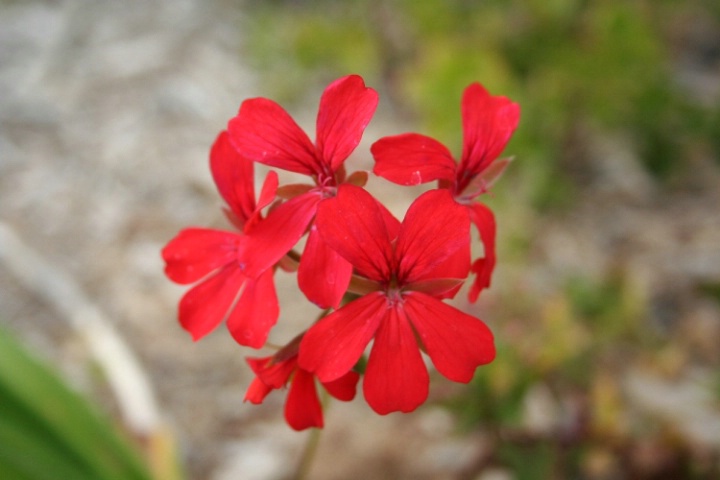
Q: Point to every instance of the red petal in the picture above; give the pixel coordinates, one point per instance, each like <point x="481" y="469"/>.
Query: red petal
<point x="323" y="275"/>
<point x="332" y="346"/>
<point x="483" y="268"/>
<point x="456" y="342"/>
<point x="434" y="229"/>
<point x="204" y="306"/>
<point x="396" y="378"/>
<point x="195" y="252"/>
<point x="346" y="108"/>
<point x="411" y="159"/>
<point x="488" y="124"/>
<point x="392" y="224"/>
<point x="274" y="236"/>
<point x="255" y="312"/>
<point x="267" y="195"/>
<point x="452" y="271"/>
<point x="264" y="132"/>
<point x="257" y="391"/>
<point x="344" y="387"/>
<point x="302" y="407"/>
<point x="234" y="177"/>
<point x="484" y="220"/>
<point x="354" y="225"/>
<point x="272" y="373"/>
<point x="268" y="191"/>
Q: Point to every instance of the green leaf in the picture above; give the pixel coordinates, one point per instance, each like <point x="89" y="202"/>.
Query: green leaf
<point x="49" y="432"/>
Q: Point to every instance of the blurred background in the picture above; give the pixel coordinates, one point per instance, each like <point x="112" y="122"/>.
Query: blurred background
<point x="605" y="302"/>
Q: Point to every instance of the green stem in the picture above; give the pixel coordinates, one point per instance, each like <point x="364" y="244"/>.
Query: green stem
<point x="308" y="455"/>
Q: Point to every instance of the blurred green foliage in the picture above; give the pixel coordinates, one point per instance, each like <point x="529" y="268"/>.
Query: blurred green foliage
<point x="572" y="65"/>
<point x="49" y="432"/>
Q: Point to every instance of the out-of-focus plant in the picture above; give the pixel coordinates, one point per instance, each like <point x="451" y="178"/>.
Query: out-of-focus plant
<point x="574" y="65"/>
<point x="49" y="432"/>
<point x="554" y="400"/>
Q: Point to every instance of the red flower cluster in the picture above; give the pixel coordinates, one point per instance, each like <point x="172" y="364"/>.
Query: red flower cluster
<point x="384" y="280"/>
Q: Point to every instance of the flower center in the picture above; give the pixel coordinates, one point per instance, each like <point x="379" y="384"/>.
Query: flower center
<point x="326" y="184"/>
<point x="394" y="291"/>
<point x="394" y="296"/>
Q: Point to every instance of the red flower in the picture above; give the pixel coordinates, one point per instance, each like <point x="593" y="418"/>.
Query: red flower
<point x="217" y="258"/>
<point x="302" y="408"/>
<point x="411" y="159"/>
<point x="264" y="132"/>
<point x="408" y="267"/>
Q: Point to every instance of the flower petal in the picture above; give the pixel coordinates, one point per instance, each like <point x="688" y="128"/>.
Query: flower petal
<point x="257" y="391"/>
<point x="484" y="220"/>
<point x="302" y="407"/>
<point x="346" y="108"/>
<point x="354" y="225"/>
<point x="234" y="177"/>
<point x="434" y="229"/>
<point x="344" y="387"/>
<point x="268" y="191"/>
<point x="488" y="124"/>
<point x="457" y="343"/>
<point x="411" y="159"/>
<point x="267" y="195"/>
<point x="450" y="273"/>
<point x="204" y="306"/>
<point x="274" y="374"/>
<point x="255" y="312"/>
<point x="264" y="132"/>
<point x="274" y="236"/>
<point x="395" y="378"/>
<point x="323" y="275"/>
<point x="332" y="346"/>
<point x="195" y="252"/>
